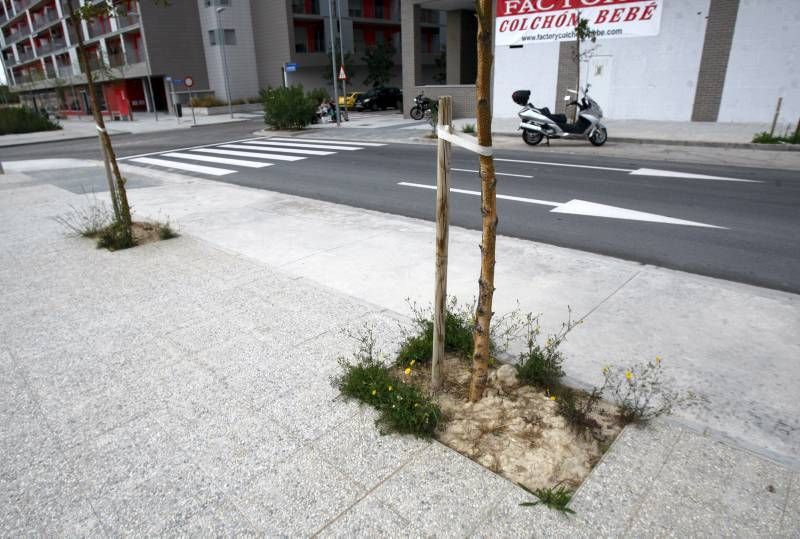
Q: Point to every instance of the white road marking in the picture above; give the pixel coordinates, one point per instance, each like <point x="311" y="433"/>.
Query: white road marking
<point x="562" y="164"/>
<point x="270" y="156"/>
<point x="478" y="193"/>
<point x="218" y="160"/>
<point x="633" y="172"/>
<point x="316" y="146"/>
<point x="496" y="173"/>
<point x="687" y="175"/>
<point x="354" y="143"/>
<point x="187" y="148"/>
<point x="258" y="145"/>
<point x="183" y="166"/>
<point x="582" y="207"/>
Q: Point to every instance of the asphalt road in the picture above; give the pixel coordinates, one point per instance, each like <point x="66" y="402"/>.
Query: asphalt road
<point x="752" y="233"/>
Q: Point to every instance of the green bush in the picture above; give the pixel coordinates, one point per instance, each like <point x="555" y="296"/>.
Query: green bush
<point x="766" y="138"/>
<point x="458" y="328"/>
<point x="288" y="108"/>
<point x="24" y="120"/>
<point x="318" y="95"/>
<point x="115" y="237"/>
<point x="402" y="407"/>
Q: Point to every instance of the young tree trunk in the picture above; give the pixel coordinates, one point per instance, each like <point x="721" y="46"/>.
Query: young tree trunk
<point x="483" y="312"/>
<point x="577" y="74"/>
<point x="121" y="198"/>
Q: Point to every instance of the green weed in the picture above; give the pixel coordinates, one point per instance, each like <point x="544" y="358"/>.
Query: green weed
<point x="468" y="129"/>
<point x="402" y="407"/>
<point x="115" y="237"/>
<point x="165" y="231"/>
<point x="557" y="497"/>
<point x="541" y="365"/>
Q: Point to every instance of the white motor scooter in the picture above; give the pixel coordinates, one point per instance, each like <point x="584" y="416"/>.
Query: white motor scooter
<point x="538" y="123"/>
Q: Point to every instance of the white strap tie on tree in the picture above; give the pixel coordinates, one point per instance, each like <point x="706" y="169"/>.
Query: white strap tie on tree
<point x="101" y="129"/>
<point x="446" y="133"/>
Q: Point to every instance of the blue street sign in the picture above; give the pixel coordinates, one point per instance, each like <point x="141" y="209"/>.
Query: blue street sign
<point x="291" y="68"/>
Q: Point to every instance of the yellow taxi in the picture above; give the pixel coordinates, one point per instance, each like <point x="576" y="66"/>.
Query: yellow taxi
<point x="351" y="99"/>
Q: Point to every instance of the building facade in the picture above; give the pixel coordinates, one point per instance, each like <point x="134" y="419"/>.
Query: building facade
<point x="133" y="55"/>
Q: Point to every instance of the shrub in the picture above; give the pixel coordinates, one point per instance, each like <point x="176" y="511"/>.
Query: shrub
<point x="207" y="101"/>
<point x="288" y="108"/>
<point x="115" y="237"/>
<point x="318" y="95"/>
<point x="16" y="120"/>
<point x="640" y="392"/>
<point x="542" y="365"/>
<point x="402" y="407"/>
<point x="469" y="129"/>
<point x="766" y="138"/>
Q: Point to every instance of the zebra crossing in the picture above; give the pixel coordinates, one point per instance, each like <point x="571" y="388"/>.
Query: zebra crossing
<point x="223" y="158"/>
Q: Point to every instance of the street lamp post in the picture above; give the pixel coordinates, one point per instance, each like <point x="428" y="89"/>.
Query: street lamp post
<point x="333" y="58"/>
<point x="221" y="39"/>
<point x="341" y="57"/>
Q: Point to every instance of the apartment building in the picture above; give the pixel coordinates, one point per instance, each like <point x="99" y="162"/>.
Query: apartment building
<point x="135" y="54"/>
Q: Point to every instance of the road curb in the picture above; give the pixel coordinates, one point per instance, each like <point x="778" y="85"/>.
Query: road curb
<point x="82" y="137"/>
<point x="700" y="143"/>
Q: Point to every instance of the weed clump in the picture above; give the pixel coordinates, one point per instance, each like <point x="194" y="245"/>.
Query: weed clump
<point x="402" y="407"/>
<point x="468" y="129"/>
<point x="640" y="391"/>
<point x="165" y="231"/>
<point x="557" y="497"/>
<point x="115" y="237"/>
<point x="459" y="325"/>
<point x="541" y="365"/>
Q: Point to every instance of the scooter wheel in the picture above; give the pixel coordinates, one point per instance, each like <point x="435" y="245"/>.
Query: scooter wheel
<point x="416" y="113"/>
<point x="599" y="137"/>
<point x="531" y="137"/>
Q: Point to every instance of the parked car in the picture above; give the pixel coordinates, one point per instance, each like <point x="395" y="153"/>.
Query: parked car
<point x="351" y="99"/>
<point x="380" y="98"/>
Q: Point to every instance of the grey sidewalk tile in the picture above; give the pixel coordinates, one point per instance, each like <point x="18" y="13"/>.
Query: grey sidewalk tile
<point x="790" y="523"/>
<point x="370" y="518"/>
<point x="711" y="488"/>
<point x="356" y="448"/>
<point x="166" y="501"/>
<point x="609" y="497"/>
<point x="299" y="497"/>
<point x="223" y="520"/>
<point x="208" y="333"/>
<point x="507" y="518"/>
<point x="45" y="498"/>
<point x="445" y="493"/>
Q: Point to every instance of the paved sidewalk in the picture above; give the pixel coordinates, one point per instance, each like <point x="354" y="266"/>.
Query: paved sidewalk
<point x="78" y="128"/>
<point x="182" y="388"/>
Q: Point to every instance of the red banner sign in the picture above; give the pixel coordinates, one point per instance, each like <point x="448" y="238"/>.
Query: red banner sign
<point x="531" y="21"/>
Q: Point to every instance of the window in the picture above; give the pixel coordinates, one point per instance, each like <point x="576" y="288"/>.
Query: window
<point x="230" y="36"/>
<point x="215" y="3"/>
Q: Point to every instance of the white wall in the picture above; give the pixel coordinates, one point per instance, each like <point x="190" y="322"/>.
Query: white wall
<point x="764" y="63"/>
<point x="651" y="77"/>
<point x="655" y="77"/>
<point x="532" y="67"/>
<point x="241" y="57"/>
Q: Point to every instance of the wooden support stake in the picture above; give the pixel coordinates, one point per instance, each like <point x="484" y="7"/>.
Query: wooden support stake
<point x="775" y="118"/>
<point x="442" y="234"/>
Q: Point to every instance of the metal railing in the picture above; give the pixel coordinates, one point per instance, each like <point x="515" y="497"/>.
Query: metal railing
<point x="10" y="61"/>
<point x="130" y="18"/>
<point x="25" y="56"/>
<point x="133" y="56"/>
<point x="16" y="35"/>
<point x="65" y="72"/>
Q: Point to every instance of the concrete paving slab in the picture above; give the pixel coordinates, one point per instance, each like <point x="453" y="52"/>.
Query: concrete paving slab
<point x="443" y="492"/>
<point x="361" y="452"/>
<point x="370" y="518"/>
<point x="300" y="497"/>
<point x="790" y="523"/>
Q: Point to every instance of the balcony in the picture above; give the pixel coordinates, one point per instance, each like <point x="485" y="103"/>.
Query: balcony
<point x="26" y="56"/>
<point x="11" y="61"/>
<point x="305" y="7"/>
<point x="98" y="27"/>
<point x="130" y="18"/>
<point x="43" y="21"/>
<point x="17" y="34"/>
<point x="133" y="56"/>
<point x="65" y="72"/>
<point x="50" y="46"/>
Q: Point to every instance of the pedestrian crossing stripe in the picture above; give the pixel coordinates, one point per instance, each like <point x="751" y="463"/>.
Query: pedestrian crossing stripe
<point x="255" y="153"/>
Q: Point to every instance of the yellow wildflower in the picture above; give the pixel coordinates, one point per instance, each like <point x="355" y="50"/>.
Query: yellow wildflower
<point x="628" y="375"/>
<point x="390" y="388"/>
<point x="412" y="362"/>
<point x="606" y="369"/>
<point x="658" y="359"/>
<point x="552" y="397"/>
<point x="408" y="371"/>
<point x="374" y="392"/>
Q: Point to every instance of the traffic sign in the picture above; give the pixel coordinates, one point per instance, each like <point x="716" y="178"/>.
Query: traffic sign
<point x="342" y="74"/>
<point x="189" y="82"/>
<point x="291" y="67"/>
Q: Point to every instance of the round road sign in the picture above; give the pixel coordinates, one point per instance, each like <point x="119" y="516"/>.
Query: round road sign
<point x="189" y="82"/>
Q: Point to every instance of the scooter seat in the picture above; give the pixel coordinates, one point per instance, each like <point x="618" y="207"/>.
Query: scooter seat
<point x="557" y="118"/>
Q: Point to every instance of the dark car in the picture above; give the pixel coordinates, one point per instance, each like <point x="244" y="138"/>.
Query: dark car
<point x="380" y="98"/>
